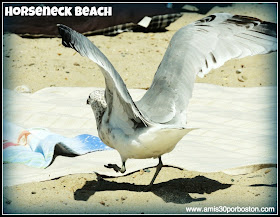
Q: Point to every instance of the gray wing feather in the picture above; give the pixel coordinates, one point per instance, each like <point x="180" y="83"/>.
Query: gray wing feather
<point x="196" y="49"/>
<point x="115" y="87"/>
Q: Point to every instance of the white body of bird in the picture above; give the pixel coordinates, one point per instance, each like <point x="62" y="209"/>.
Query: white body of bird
<point x="145" y="142"/>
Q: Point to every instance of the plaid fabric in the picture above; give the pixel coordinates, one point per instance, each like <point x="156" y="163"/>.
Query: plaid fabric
<point x="158" y="23"/>
<point x="113" y="30"/>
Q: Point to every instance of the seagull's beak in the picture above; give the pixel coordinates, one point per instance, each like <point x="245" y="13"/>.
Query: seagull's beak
<point x="87" y="101"/>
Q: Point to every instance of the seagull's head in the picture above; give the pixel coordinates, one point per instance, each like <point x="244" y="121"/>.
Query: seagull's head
<point x="98" y="104"/>
<point x="97" y="97"/>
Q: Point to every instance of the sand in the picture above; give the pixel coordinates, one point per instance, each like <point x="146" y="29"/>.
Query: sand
<point x="173" y="191"/>
<point x="44" y="62"/>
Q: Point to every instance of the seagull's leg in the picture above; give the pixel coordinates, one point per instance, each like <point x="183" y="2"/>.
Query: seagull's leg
<point x="159" y="166"/>
<point x="116" y="167"/>
<point x="123" y="169"/>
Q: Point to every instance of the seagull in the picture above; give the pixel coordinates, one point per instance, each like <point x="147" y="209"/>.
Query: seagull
<point x="154" y="125"/>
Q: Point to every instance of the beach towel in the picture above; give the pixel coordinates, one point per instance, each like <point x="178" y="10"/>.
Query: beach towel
<point x="36" y="147"/>
<point x="237" y="131"/>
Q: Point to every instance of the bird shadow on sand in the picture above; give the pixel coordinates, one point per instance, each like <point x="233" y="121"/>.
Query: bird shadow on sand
<point x="175" y="190"/>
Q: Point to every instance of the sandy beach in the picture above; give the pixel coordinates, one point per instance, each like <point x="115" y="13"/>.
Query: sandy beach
<point x="173" y="191"/>
<point x="45" y="62"/>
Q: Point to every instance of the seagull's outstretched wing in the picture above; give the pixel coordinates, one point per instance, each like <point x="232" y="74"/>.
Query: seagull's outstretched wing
<point x="196" y="49"/>
<point x="116" y="92"/>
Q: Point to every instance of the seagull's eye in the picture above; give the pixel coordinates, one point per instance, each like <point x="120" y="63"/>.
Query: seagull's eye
<point x="89" y="96"/>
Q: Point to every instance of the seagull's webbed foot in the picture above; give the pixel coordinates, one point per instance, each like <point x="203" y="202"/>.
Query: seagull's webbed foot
<point x="159" y="166"/>
<point x="116" y="167"/>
